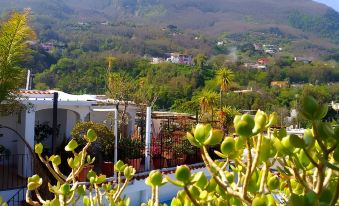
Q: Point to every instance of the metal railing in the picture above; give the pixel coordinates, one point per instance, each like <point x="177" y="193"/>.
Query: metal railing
<point x="18" y="198"/>
<point x="171" y="150"/>
<point x="14" y="170"/>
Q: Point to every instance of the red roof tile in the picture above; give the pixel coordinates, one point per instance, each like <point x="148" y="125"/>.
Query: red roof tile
<point x="34" y="92"/>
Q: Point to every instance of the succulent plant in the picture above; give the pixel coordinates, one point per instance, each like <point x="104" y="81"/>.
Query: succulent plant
<point x="255" y="163"/>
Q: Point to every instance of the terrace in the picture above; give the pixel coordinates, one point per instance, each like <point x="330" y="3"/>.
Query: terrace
<point x="19" y="132"/>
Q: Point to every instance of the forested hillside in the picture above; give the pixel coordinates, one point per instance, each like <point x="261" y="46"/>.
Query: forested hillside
<point x="77" y="38"/>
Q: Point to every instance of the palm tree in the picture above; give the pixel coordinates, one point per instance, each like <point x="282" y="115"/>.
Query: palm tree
<point x="207" y="100"/>
<point x="225" y="78"/>
<point x="226" y="117"/>
<point x="14" y="34"/>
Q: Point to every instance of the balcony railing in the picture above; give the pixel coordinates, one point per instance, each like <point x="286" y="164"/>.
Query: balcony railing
<point x="14" y="170"/>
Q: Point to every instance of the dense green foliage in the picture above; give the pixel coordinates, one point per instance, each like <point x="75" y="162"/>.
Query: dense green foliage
<point x="13" y="48"/>
<point x="326" y="25"/>
<point x="103" y="148"/>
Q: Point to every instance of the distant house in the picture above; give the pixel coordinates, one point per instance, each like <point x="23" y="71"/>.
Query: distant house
<point x="178" y="58"/>
<point x="157" y="60"/>
<point x="280" y="84"/>
<point x="255" y="66"/>
<point x="263" y="61"/>
<point x="47" y="46"/>
<point x="305" y="60"/>
<point x="257" y="47"/>
<point x="220" y="43"/>
<point x="243" y="91"/>
<point x="270" y="49"/>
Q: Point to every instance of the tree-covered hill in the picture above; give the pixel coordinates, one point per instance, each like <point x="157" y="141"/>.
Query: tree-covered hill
<point x="76" y="39"/>
<point x="206" y="16"/>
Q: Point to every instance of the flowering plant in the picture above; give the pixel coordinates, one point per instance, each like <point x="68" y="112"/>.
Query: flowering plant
<point x="155" y="148"/>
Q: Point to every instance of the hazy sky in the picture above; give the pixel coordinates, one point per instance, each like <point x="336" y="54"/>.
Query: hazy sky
<point x="332" y="3"/>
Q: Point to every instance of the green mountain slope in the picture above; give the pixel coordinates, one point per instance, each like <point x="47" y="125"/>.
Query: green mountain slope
<point x="207" y="16"/>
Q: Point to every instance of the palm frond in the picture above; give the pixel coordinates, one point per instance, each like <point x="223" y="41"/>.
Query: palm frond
<point x="225" y="78"/>
<point x="13" y="48"/>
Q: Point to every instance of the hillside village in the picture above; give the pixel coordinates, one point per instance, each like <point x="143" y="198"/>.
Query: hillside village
<point x="158" y="103"/>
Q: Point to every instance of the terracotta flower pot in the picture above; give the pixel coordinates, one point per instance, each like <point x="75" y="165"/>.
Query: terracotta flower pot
<point x="177" y="161"/>
<point x="83" y="174"/>
<point x="135" y="163"/>
<point x="107" y="168"/>
<point x="181" y="160"/>
<point x="167" y="154"/>
<point x="157" y="162"/>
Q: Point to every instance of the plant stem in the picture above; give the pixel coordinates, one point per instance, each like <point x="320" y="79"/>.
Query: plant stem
<point x="120" y="191"/>
<point x="248" y="170"/>
<point x="50" y="169"/>
<point x="153" y="196"/>
<point x="39" y="197"/>
<point x="190" y="196"/>
<point x="29" y="199"/>
<point x="263" y="178"/>
<point x="321" y="167"/>
<point x="156" y="196"/>
<point x="328" y="177"/>
<point x="310" y="158"/>
<point x="296" y="174"/>
<point x="214" y="173"/>
<point x="336" y="195"/>
<point x="97" y="193"/>
<point x="255" y="162"/>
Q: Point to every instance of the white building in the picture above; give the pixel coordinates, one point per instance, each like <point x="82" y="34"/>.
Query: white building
<point x="71" y="109"/>
<point x="17" y="159"/>
<point x="178" y="58"/>
<point x="157" y="60"/>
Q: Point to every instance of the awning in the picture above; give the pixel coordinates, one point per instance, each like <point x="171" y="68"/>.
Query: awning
<point x="104" y="109"/>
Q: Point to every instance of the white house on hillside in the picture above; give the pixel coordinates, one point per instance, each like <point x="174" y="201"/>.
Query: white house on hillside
<point x="178" y="58"/>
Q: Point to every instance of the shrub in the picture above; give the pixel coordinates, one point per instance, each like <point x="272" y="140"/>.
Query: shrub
<point x="103" y="147"/>
<point x="130" y="148"/>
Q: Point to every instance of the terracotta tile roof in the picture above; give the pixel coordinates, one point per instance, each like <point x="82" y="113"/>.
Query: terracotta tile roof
<point x="34" y="92"/>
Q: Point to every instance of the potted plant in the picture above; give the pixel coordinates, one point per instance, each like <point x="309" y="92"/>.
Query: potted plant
<point x="156" y="156"/>
<point x="83" y="174"/>
<point x="191" y="153"/>
<point x="131" y="151"/>
<point x="179" y="156"/>
<point x="102" y="149"/>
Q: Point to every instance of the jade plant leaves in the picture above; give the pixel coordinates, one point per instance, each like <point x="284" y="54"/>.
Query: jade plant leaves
<point x="34" y="182"/>
<point x="71" y="146"/>
<point x="91" y="135"/>
<point x="183" y="174"/>
<point x="38" y="148"/>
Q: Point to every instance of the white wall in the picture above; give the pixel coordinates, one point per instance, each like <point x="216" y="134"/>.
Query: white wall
<point x="9" y="139"/>
<point x="101" y="117"/>
<point x="71" y="119"/>
<point x="66" y="119"/>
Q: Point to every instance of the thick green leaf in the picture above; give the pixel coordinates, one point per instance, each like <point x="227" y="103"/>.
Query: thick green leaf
<point x="71" y="146"/>
<point x="91" y="135"/>
<point x="38" y="148"/>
